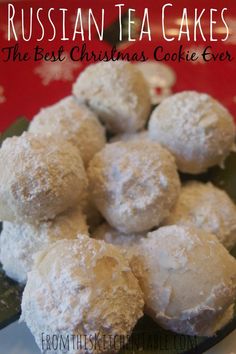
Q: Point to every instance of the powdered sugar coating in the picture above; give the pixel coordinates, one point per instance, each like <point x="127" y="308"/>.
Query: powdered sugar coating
<point x="74" y="123"/>
<point x="139" y="136"/>
<point x="20" y="242"/>
<point x="196" y="128"/>
<point x="188" y="279"/>
<point x="82" y="287"/>
<point x="41" y="177"/>
<point x="206" y="207"/>
<point x="117" y="92"/>
<point x="110" y="235"/>
<point x="127" y="243"/>
<point x="134" y="185"/>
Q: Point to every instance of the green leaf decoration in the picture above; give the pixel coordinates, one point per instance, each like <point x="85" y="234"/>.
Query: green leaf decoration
<point x="147" y="336"/>
<point x="16" y="129"/>
<point x="225" y="178"/>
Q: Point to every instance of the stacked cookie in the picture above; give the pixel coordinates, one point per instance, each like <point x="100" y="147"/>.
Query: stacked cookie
<point x="103" y="231"/>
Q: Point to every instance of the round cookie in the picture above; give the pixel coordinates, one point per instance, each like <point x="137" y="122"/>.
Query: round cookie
<point x="117" y="92"/>
<point x="20" y="242"/>
<point x="82" y="287"/>
<point x="134" y="185"/>
<point x="188" y="279"/>
<point x="206" y="207"/>
<point x="40" y="178"/>
<point x="74" y="123"/>
<point x="196" y="128"/>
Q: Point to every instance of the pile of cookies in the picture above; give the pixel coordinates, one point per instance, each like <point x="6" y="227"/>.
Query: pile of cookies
<point x="101" y="230"/>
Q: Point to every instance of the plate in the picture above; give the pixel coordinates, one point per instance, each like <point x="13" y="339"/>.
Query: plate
<point x="147" y="336"/>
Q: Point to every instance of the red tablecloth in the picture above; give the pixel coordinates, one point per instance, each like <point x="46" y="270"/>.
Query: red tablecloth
<point x="27" y="86"/>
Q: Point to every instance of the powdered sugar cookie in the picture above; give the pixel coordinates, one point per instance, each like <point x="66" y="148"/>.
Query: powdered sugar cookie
<point x="134" y="185"/>
<point x="74" y="123"/>
<point x="196" y="128"/>
<point x="40" y="178"/>
<point x="20" y="242"/>
<point x="188" y="279"/>
<point x="208" y="208"/>
<point x="117" y="92"/>
<point x="82" y="287"/>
